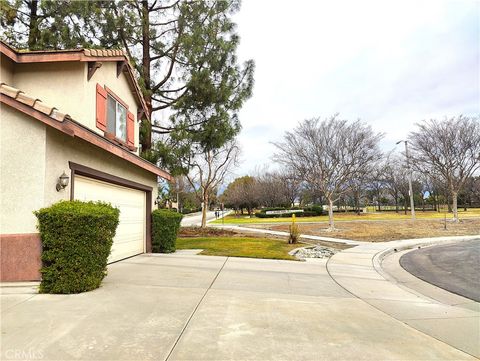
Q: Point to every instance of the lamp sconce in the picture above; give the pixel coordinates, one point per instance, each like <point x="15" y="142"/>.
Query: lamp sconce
<point x="158" y="199"/>
<point x="62" y="182"/>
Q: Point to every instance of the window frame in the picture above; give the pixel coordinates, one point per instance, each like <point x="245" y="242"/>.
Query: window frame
<point x="122" y="103"/>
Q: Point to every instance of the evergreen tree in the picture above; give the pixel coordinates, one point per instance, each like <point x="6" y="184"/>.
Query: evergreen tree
<point x="184" y="52"/>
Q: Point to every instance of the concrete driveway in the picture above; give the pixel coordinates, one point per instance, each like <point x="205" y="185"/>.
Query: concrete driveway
<point x="188" y="307"/>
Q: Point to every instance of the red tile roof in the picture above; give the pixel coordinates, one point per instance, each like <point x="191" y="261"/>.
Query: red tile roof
<point x="51" y="116"/>
<point x="83" y="55"/>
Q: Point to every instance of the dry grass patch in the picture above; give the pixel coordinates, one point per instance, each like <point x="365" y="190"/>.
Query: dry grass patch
<point x="379" y="231"/>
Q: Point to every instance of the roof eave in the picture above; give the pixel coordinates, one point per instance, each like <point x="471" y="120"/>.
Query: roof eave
<point x="75" y="55"/>
<point x="74" y="129"/>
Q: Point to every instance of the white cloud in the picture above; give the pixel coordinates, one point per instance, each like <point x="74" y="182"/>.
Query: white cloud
<point x="391" y="63"/>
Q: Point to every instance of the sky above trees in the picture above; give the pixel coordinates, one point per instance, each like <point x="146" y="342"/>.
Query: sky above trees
<point x="390" y="63"/>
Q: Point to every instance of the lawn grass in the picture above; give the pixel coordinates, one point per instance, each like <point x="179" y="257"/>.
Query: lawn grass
<point x="239" y="247"/>
<point x="379" y="216"/>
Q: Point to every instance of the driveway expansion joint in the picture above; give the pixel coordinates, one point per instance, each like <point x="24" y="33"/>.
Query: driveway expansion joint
<point x="195" y="310"/>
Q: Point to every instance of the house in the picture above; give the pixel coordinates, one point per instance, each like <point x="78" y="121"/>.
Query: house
<point x="70" y="130"/>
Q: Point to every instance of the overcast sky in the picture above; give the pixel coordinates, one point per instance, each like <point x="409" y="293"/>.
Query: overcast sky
<point x="389" y="63"/>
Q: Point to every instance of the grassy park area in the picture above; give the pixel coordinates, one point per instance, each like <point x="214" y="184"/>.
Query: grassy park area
<point x="340" y="217"/>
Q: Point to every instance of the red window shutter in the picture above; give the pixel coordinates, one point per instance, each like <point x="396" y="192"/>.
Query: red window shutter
<point x="101" y="108"/>
<point x="130" y="129"/>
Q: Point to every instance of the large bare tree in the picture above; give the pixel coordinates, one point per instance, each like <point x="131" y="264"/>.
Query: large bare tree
<point x="208" y="170"/>
<point x="448" y="150"/>
<point x="327" y="154"/>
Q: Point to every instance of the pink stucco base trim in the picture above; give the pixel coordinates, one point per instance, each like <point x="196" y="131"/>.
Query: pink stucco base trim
<point x="20" y="257"/>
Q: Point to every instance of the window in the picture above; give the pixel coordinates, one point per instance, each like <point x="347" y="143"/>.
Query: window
<point x="116" y="118"/>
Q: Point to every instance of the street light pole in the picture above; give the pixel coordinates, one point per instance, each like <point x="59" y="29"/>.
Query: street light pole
<point x="410" y="188"/>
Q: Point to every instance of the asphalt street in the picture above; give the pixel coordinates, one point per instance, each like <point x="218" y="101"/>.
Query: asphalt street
<point x="454" y="267"/>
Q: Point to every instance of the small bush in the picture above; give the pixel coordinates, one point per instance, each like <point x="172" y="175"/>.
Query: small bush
<point x="76" y="241"/>
<point x="165" y="226"/>
<point x="294" y="233"/>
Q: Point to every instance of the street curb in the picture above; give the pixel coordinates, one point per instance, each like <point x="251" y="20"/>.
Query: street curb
<point x="420" y="242"/>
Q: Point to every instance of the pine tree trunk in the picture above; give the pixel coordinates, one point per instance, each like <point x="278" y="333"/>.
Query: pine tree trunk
<point x="33" y="32"/>
<point x="146" y="140"/>
<point x="330" y="214"/>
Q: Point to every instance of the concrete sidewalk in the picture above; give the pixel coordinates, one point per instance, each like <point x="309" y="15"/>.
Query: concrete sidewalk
<point x="195" y="219"/>
<point x="438" y="313"/>
<point x="184" y="306"/>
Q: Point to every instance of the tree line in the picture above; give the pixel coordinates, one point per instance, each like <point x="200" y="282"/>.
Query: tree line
<point x="339" y="163"/>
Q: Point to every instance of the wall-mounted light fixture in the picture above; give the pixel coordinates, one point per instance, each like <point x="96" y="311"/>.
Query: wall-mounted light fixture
<point x="62" y="182"/>
<point x="158" y="199"/>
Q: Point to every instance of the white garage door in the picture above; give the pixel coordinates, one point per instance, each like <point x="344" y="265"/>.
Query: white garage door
<point x="130" y="237"/>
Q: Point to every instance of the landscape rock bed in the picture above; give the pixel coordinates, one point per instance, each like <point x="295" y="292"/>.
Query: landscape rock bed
<point x="313" y="252"/>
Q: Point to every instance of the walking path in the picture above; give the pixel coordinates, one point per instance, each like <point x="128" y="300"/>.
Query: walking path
<point x="195" y="219"/>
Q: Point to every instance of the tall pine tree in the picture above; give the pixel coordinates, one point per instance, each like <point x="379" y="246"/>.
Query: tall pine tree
<point x="184" y="52"/>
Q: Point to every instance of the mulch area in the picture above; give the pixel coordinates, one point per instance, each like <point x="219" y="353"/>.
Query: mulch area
<point x="205" y="232"/>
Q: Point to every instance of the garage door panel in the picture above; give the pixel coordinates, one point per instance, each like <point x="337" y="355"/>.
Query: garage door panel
<point x="130" y="235"/>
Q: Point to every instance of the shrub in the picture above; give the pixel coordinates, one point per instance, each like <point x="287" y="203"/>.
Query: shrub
<point x="165" y="226"/>
<point x="76" y="241"/>
<point x="312" y="211"/>
<point x="294" y="233"/>
<point x="316" y="209"/>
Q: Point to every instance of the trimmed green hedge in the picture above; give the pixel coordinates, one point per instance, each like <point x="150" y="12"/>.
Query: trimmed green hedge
<point x="165" y="226"/>
<point x="312" y="211"/>
<point x="76" y="241"/>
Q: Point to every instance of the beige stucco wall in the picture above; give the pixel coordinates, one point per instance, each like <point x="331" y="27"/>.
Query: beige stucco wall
<point x="22" y="171"/>
<point x="64" y="85"/>
<point x="61" y="85"/>
<point x="33" y="156"/>
<point x="61" y="149"/>
<point x="6" y="70"/>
